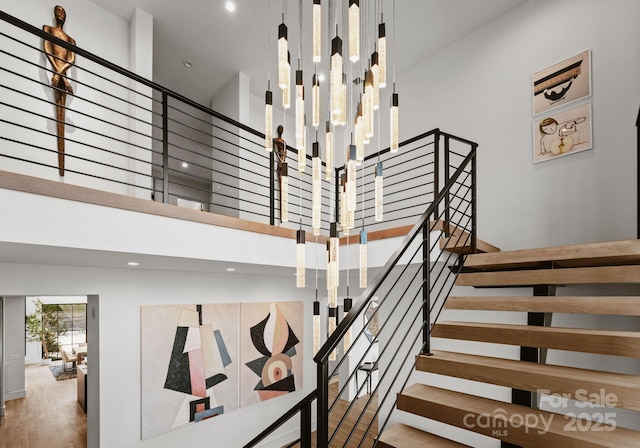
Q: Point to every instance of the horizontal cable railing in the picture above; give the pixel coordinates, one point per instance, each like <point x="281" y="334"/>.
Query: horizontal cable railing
<point x="122" y="133"/>
<point x="378" y="339"/>
<point x="369" y="357"/>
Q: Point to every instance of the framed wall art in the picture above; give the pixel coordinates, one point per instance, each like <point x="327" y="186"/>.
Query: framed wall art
<point x="562" y="83"/>
<point x="201" y="361"/>
<point x="562" y="132"/>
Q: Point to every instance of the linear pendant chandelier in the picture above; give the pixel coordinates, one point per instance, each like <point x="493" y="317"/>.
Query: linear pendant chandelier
<point x="353" y="92"/>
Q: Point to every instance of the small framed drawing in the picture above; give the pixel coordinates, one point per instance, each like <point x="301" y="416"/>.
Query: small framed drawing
<point x="562" y="132"/>
<point x="562" y="83"/>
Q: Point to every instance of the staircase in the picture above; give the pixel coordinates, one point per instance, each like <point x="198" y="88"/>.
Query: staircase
<point x="520" y="424"/>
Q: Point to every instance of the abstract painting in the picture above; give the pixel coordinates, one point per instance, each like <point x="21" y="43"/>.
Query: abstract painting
<point x="271" y="356"/>
<point x="188" y="367"/>
<point x="202" y="361"/>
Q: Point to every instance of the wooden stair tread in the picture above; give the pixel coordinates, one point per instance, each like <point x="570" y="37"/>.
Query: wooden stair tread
<point x="590" y="275"/>
<point x="459" y="239"/>
<point x="607" y="342"/>
<point x="541" y="429"/>
<point x="622" y="306"/>
<point x="443" y="226"/>
<point x="535" y="377"/>
<point x="403" y="436"/>
<point x="461" y="244"/>
<point x="591" y="254"/>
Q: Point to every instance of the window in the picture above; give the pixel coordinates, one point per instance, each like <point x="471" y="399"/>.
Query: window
<point x="74" y="316"/>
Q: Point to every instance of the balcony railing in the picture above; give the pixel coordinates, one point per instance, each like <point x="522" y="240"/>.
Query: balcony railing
<point x="127" y="135"/>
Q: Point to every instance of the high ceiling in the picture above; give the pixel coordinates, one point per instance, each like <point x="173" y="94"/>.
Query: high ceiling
<point x="219" y="43"/>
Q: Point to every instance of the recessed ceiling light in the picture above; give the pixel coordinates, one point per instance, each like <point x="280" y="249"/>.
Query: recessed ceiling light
<point x="320" y="77"/>
<point x="185" y="165"/>
<point x="187" y="64"/>
<point x="133" y="263"/>
<point x="231" y="269"/>
<point x="230" y="6"/>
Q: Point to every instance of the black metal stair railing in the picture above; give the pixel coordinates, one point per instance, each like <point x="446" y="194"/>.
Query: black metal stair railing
<point x="410" y="289"/>
<point x="128" y="135"/>
<point x="376" y="342"/>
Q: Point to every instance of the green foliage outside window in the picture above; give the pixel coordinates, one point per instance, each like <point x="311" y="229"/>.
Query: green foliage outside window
<point x="44" y="326"/>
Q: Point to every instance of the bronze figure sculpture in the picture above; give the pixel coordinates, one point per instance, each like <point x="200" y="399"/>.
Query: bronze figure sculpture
<point x="281" y="153"/>
<point x="61" y="60"/>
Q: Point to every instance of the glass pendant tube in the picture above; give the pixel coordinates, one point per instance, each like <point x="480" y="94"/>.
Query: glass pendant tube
<point x="286" y="91"/>
<point x="382" y="55"/>
<point x="342" y="117"/>
<point x="335" y="75"/>
<point x="351" y="178"/>
<point x="284" y="192"/>
<point x="354" y="30"/>
<point x="268" y="121"/>
<point x="300" y="258"/>
<point x="316" y="327"/>
<point x="317" y="31"/>
<point x="378" y="188"/>
<point x="283" y="51"/>
<point x="329" y="151"/>
<point x="333" y="314"/>
<point x="316" y="189"/>
<point x="348" y="304"/>
<point x="333" y="265"/>
<point x="394" y="116"/>
<point x="343" y="204"/>
<point x="315" y="98"/>
<point x="367" y="106"/>
<point x="358" y="130"/>
<point x="375" y="71"/>
<point x="299" y="114"/>
<point x="363" y="258"/>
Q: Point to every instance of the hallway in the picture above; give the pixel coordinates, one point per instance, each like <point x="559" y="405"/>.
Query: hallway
<point x="49" y="417"/>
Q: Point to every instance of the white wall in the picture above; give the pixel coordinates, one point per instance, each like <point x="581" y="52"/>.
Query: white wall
<point x="121" y="293"/>
<point x="480" y="88"/>
<point x="14" y="348"/>
<point x="88" y="24"/>
<point x="141" y="63"/>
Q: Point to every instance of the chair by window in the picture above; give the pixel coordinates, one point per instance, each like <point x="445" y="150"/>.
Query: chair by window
<point x="68" y="358"/>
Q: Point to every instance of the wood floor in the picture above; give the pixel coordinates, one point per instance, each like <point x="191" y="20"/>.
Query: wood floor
<point x="49" y="417"/>
<point x="351" y="421"/>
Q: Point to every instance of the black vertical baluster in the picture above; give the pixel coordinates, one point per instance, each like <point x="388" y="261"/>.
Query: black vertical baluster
<point x="305" y="426"/>
<point x="447" y="201"/>
<point x="426" y="289"/>
<point x="165" y="148"/>
<point x="436" y="169"/>
<point x="322" y="431"/>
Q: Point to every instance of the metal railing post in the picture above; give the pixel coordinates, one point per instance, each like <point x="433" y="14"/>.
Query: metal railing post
<point x="305" y="426"/>
<point x="436" y="167"/>
<point x="426" y="290"/>
<point x="447" y="200"/>
<point x="272" y="188"/>
<point x="474" y="201"/>
<point x="322" y="429"/>
<point x="165" y="148"/>
<point x="336" y="213"/>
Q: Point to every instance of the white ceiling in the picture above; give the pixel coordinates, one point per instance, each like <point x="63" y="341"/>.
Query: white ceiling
<point x="219" y="43"/>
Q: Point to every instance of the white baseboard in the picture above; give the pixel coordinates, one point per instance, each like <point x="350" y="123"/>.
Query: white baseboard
<point x="15" y="395"/>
